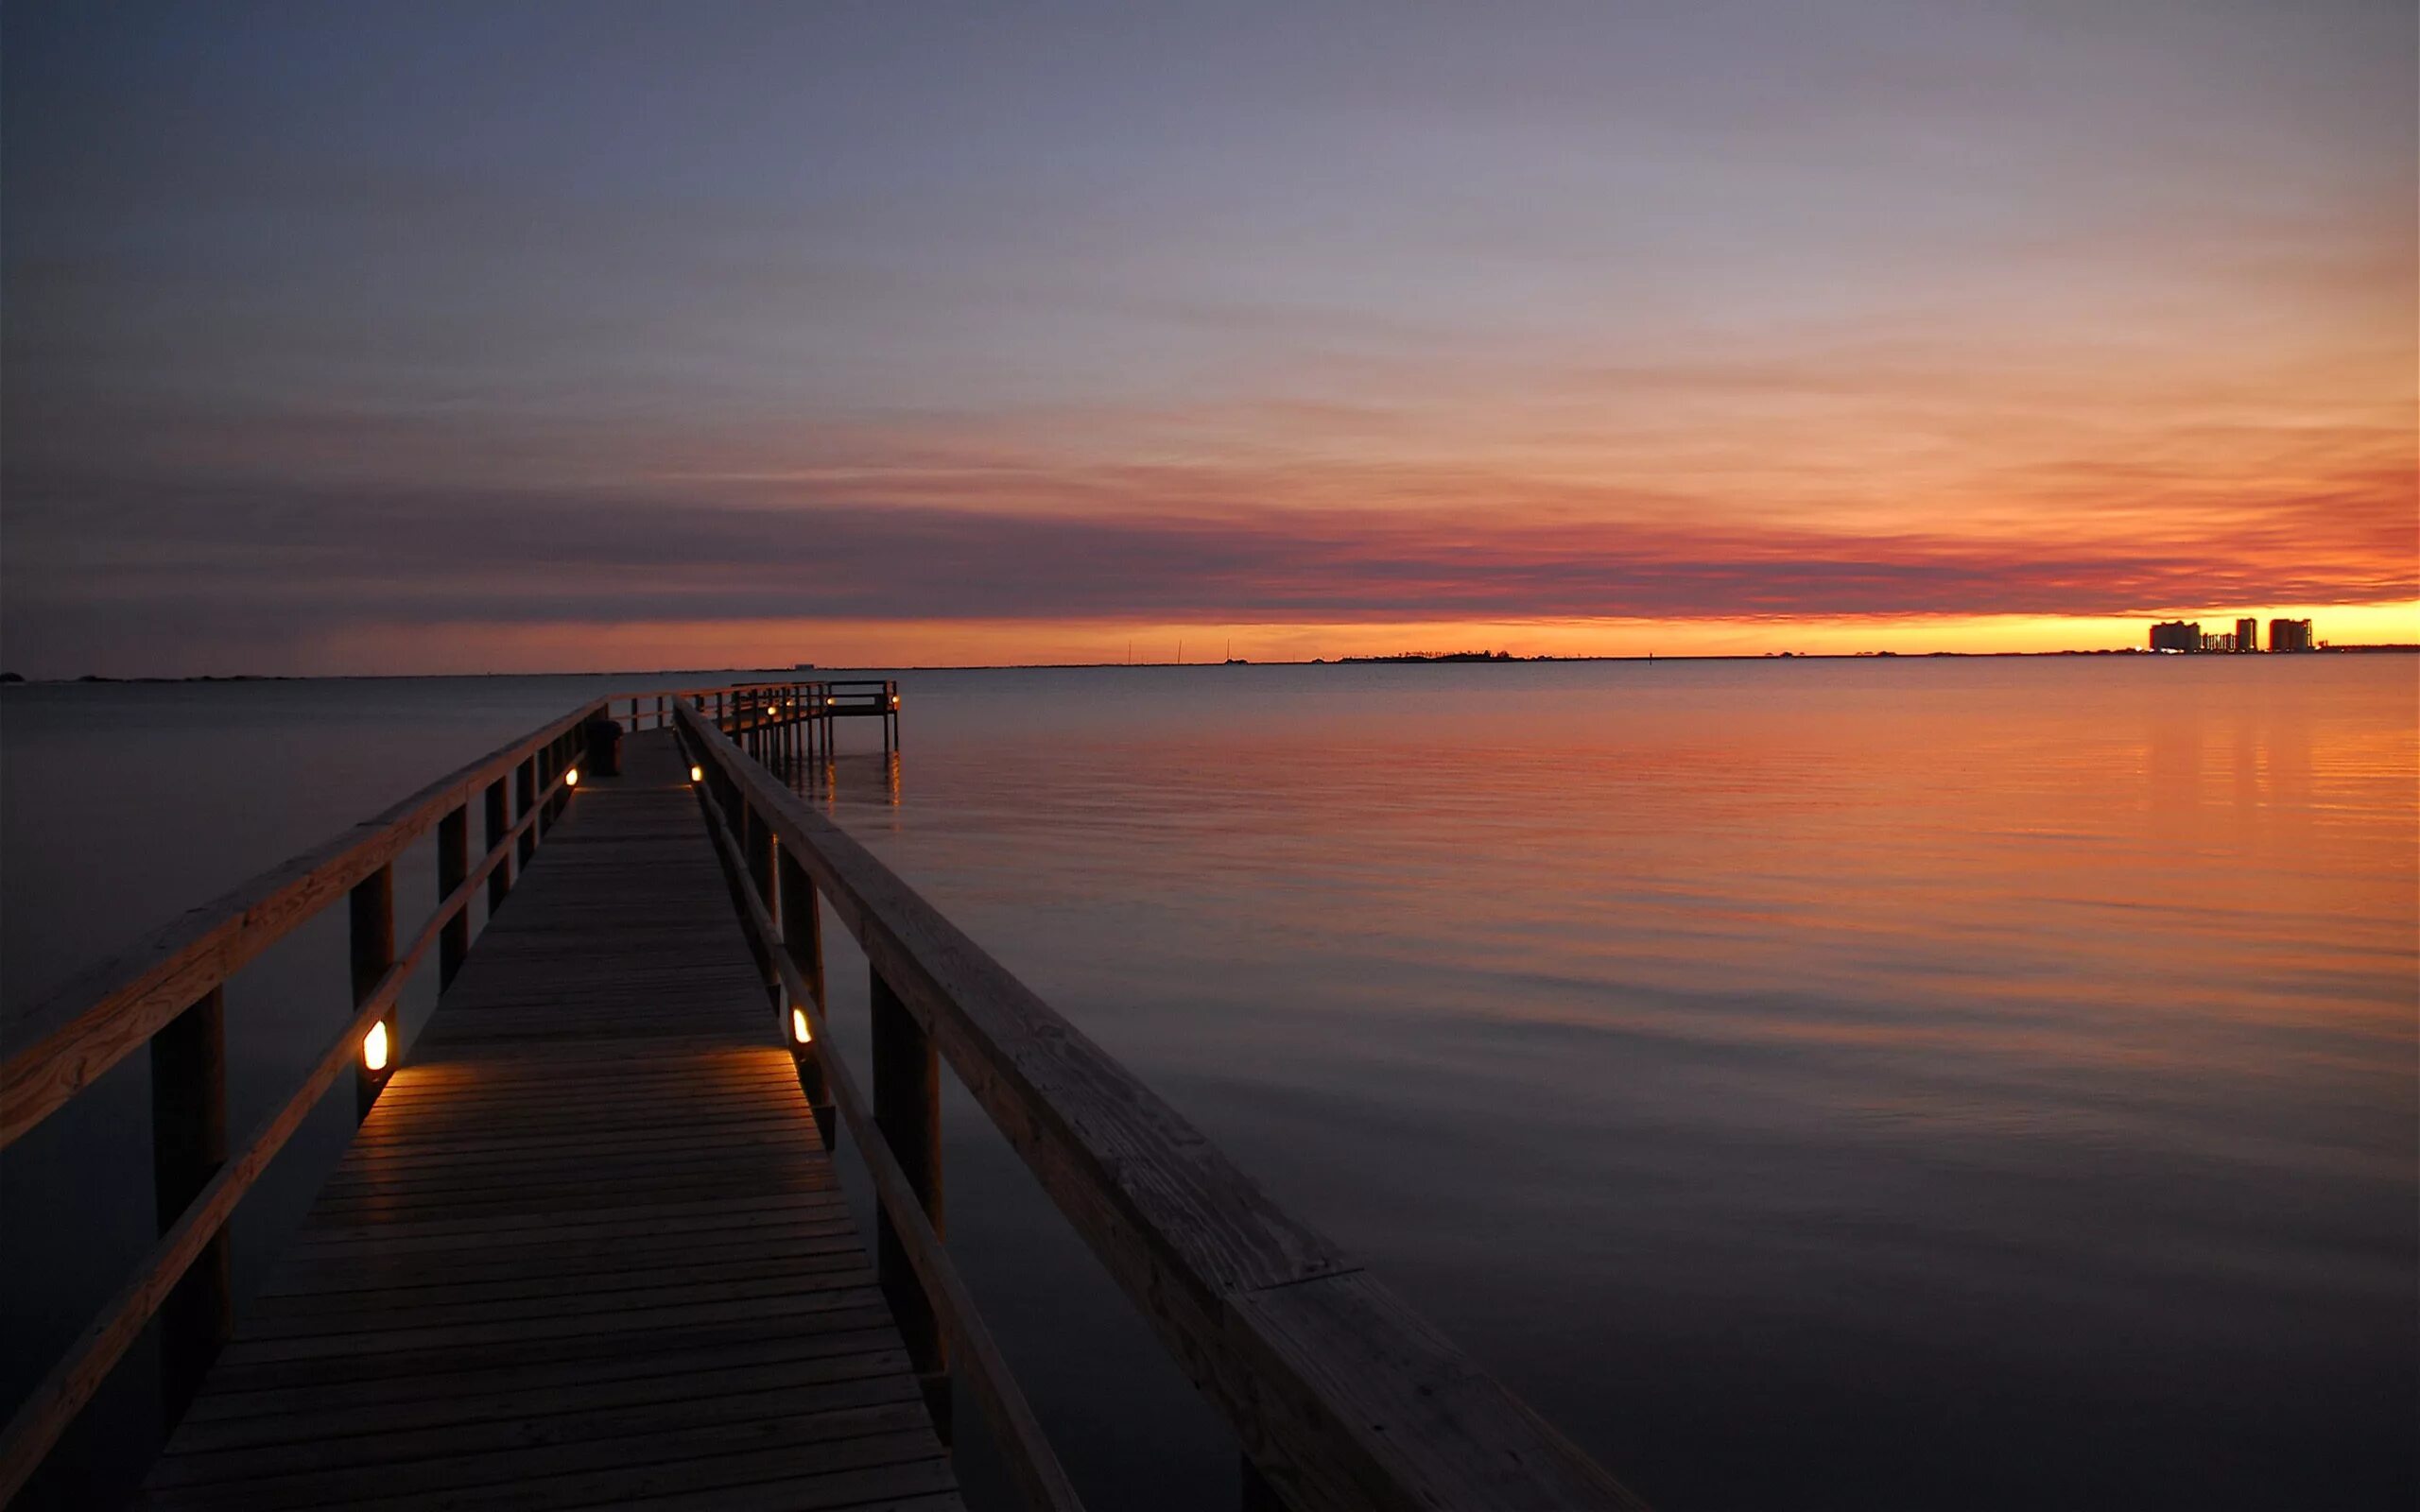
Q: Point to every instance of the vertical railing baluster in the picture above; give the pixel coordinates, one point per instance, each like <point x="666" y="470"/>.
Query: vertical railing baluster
<point x="545" y="758"/>
<point x="756" y="844"/>
<point x="803" y="940"/>
<point x="373" y="952"/>
<point x="189" y="1145"/>
<point x="499" y="824"/>
<point x="453" y="869"/>
<point x="524" y="794"/>
<point x="908" y="1110"/>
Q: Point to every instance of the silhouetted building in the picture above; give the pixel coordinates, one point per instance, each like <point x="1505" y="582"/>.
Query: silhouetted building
<point x="2177" y="635"/>
<point x="2247" y="635"/>
<point x="2290" y="635"/>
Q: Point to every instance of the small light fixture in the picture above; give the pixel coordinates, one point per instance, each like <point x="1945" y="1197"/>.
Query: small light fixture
<point x="571" y="776"/>
<point x="895" y="700"/>
<point x="374" y="1047"/>
<point x="799" y="1031"/>
<point x="697" y="773"/>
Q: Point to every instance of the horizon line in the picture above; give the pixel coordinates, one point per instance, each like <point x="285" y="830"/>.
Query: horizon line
<point x="1403" y="659"/>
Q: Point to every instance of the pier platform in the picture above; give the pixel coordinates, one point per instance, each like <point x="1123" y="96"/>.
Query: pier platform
<point x="587" y="1248"/>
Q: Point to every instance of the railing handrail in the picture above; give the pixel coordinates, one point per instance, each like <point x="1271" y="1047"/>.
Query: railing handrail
<point x="1340" y="1394"/>
<point x="109" y="1011"/>
<point x="105" y="1013"/>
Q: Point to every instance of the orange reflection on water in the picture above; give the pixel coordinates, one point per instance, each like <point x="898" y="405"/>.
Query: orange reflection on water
<point x="1844" y="1029"/>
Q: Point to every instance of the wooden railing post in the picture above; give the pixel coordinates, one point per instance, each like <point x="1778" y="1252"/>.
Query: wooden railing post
<point x="545" y="777"/>
<point x="189" y="1145"/>
<point x="453" y="869"/>
<point x="550" y="765"/>
<point x="524" y="797"/>
<point x="499" y="824"/>
<point x="373" y="950"/>
<point x="803" y="941"/>
<point x="757" y="844"/>
<point x="908" y="1110"/>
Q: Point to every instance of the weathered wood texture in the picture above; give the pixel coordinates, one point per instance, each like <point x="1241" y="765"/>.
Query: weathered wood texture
<point x="1339" y="1393"/>
<point x="188" y="1147"/>
<point x="587" y="1248"/>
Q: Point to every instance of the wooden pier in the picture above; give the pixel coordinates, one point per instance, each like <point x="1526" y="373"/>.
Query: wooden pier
<point x="587" y="1246"/>
<point x="788" y="719"/>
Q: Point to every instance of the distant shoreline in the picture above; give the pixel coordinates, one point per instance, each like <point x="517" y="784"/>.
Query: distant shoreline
<point x="1454" y="659"/>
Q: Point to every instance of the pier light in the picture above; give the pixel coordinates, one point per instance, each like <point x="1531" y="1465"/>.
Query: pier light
<point x="799" y="1031"/>
<point x="697" y="773"/>
<point x="374" y="1046"/>
<point x="571" y="776"/>
<point x="895" y="700"/>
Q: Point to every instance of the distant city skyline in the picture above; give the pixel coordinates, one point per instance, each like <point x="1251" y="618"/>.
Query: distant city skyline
<point x="461" y="338"/>
<point x="2188" y="636"/>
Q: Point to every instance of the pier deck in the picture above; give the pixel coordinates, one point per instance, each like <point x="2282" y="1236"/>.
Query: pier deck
<point x="588" y="1248"/>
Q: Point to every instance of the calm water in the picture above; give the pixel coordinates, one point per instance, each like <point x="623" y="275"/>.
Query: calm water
<point x="1890" y="1083"/>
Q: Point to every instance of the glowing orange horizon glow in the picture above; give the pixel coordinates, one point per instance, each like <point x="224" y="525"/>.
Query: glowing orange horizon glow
<point x="646" y="646"/>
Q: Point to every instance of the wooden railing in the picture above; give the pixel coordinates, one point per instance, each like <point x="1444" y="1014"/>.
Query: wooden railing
<point x="168" y="993"/>
<point x="865" y="698"/>
<point x="797" y="715"/>
<point x="1339" y="1393"/>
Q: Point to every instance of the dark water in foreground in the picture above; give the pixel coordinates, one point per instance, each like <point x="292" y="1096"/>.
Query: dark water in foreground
<point x="1915" y="1083"/>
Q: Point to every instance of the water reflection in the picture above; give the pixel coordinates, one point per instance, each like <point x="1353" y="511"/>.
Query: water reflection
<point x="1965" y="1083"/>
<point x="859" y="780"/>
<point x="1893" y="1067"/>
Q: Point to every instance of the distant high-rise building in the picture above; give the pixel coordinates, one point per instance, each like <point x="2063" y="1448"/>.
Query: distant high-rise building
<point x="2247" y="635"/>
<point x="2177" y="635"/>
<point x="2290" y="635"/>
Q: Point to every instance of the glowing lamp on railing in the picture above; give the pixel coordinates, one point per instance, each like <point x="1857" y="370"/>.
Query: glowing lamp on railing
<point x="571" y="776"/>
<point x="374" y="1047"/>
<point x="697" y="773"/>
<point x="799" y="1031"/>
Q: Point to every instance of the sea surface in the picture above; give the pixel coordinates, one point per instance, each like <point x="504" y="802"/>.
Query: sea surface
<point x="1882" y="1083"/>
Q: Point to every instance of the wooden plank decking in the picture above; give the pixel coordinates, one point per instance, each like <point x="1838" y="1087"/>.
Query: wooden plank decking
<point x="588" y="1249"/>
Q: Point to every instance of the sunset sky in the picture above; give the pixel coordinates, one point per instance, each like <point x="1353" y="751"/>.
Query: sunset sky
<point x="409" y="337"/>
